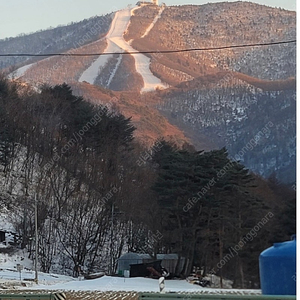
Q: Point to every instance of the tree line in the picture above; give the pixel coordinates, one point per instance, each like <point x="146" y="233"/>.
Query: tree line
<point x="100" y="193"/>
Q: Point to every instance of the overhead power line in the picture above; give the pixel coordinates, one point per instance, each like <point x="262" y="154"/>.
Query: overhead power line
<point x="152" y="51"/>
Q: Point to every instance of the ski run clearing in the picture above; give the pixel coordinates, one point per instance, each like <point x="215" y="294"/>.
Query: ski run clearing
<point x="20" y="72"/>
<point x="116" y="43"/>
<point x="154" y="22"/>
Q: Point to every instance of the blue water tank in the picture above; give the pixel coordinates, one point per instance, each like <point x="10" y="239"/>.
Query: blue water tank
<point x="277" y="268"/>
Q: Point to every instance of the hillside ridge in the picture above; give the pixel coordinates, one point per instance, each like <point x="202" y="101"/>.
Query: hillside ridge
<point x="203" y="102"/>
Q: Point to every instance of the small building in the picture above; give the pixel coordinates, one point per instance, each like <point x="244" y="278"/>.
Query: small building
<point x="168" y="261"/>
<point x="128" y="259"/>
<point x="152" y="269"/>
<point x="144" y="3"/>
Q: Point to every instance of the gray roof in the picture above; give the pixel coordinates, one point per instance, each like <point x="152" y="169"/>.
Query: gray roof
<point x="134" y="256"/>
<point x="167" y="256"/>
<point x="138" y="256"/>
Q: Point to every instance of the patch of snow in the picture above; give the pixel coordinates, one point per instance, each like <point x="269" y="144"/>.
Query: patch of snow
<point x="20" y="72"/>
<point x="11" y="256"/>
<point x="113" y="73"/>
<point x="10" y="276"/>
<point x="5" y="222"/>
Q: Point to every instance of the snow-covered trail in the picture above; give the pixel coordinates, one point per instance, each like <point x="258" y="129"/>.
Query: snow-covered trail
<point x="91" y="73"/>
<point x="116" y="43"/>
<point x="20" y="72"/>
<point x="142" y="65"/>
<point x="154" y="22"/>
<point x="113" y="73"/>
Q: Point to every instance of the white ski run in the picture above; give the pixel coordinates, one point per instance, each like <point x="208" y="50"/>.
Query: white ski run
<point x="116" y="43"/>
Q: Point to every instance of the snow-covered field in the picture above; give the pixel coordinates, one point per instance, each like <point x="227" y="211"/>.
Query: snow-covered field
<point x="138" y="284"/>
<point x="10" y="279"/>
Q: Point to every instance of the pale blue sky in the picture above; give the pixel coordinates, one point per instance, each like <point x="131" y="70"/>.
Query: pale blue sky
<point x="25" y="16"/>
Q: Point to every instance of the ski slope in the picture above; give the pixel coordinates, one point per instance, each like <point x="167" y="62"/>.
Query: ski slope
<point x="91" y="73"/>
<point x="116" y="43"/>
<point x="20" y="72"/>
<point x="154" y="22"/>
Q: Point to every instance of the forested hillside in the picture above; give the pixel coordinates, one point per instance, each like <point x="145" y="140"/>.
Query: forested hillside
<point x="100" y="193"/>
<point x="214" y="99"/>
<point x="257" y="127"/>
<point x="216" y="25"/>
<point x="202" y="164"/>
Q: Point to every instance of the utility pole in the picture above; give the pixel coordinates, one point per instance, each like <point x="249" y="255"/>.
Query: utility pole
<point x="36" y="240"/>
<point x="111" y="239"/>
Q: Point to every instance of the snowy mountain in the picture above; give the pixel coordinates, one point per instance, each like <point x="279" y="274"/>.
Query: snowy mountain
<point x="208" y="98"/>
